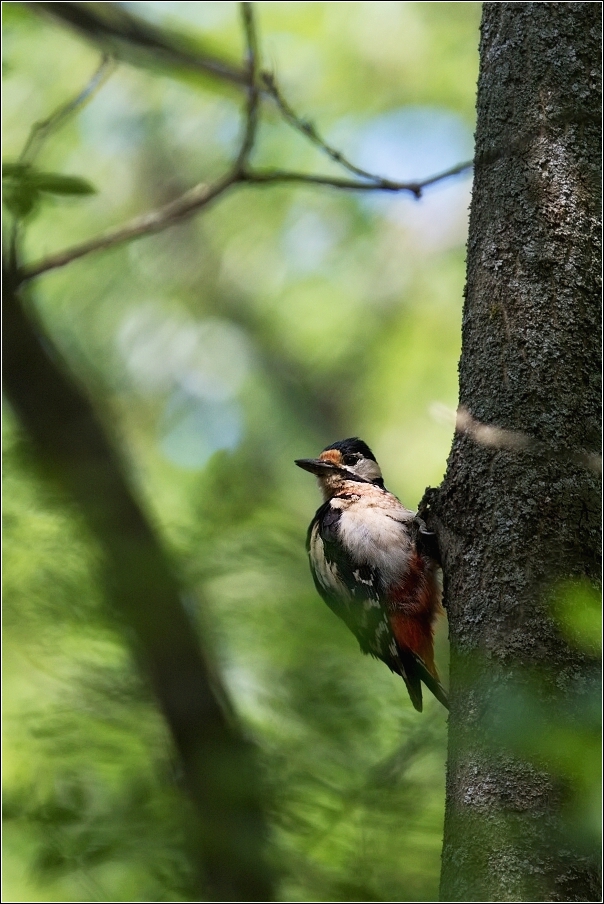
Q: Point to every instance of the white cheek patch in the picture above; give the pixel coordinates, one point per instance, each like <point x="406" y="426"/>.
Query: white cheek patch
<point x="368" y="469"/>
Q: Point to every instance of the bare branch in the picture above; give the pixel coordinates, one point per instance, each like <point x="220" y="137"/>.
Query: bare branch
<point x="133" y="39"/>
<point x="309" y="131"/>
<point x="41" y="130"/>
<point x="251" y="120"/>
<point x="114" y="29"/>
<point x="446" y="174"/>
<point x="188" y="203"/>
<point x="201" y="195"/>
<point x="415" y="187"/>
<point x="191" y="201"/>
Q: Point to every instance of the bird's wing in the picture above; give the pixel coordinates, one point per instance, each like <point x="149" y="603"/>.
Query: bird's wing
<point x="353" y="592"/>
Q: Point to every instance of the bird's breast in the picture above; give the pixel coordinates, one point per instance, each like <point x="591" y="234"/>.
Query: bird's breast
<point x="377" y="534"/>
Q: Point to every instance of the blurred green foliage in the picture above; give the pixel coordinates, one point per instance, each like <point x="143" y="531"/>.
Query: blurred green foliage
<point x="276" y="322"/>
<point x="577" y="609"/>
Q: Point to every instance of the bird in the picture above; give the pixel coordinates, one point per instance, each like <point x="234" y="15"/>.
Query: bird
<point x="376" y="565"/>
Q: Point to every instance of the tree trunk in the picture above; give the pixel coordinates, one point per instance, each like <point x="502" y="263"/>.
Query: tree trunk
<point x="219" y="771"/>
<point x="518" y="512"/>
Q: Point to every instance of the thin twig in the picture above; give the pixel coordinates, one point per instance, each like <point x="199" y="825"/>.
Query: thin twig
<point x="446" y="174"/>
<point x="115" y="23"/>
<point x="192" y="200"/>
<point x="42" y="129"/>
<point x="309" y="131"/>
<point x="380" y="184"/>
<point x="251" y="119"/>
<point x="201" y="195"/>
<point x="188" y="203"/>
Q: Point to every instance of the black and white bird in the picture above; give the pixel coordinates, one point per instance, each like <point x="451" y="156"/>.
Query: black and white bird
<point x="375" y="565"/>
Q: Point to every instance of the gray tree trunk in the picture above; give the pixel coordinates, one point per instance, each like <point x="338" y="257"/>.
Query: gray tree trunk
<point x="515" y="522"/>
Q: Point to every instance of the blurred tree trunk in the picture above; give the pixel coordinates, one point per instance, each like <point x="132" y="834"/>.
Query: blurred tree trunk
<point x="219" y="771"/>
<point x="513" y="524"/>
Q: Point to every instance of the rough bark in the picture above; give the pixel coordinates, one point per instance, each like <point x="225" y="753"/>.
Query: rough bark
<point x="513" y="524"/>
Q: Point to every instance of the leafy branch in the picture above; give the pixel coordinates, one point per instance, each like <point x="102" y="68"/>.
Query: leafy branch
<point x="24" y="186"/>
<point x="113" y="28"/>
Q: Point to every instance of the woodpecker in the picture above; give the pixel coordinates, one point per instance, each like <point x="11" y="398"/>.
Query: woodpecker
<point x="376" y="565"/>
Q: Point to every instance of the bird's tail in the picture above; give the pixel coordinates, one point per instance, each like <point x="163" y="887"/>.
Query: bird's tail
<point x="432" y="683"/>
<point x="413" y="670"/>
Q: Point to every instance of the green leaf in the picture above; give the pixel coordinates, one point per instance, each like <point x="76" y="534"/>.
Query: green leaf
<point x="577" y="607"/>
<point x="51" y="183"/>
<point x="20" y="195"/>
<point x="20" y="199"/>
<point x="57" y="184"/>
<point x="24" y="186"/>
<point x="14" y="170"/>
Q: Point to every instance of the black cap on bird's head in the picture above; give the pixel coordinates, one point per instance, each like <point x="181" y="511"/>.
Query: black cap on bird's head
<point x="348" y="459"/>
<point x="352" y="447"/>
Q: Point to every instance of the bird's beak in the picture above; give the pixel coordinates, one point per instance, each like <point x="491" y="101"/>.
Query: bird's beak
<point x="316" y="466"/>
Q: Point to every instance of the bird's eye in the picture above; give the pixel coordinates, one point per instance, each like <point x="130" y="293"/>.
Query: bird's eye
<point x="351" y="459"/>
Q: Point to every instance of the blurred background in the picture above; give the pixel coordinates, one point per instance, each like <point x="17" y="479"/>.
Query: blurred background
<point x="274" y="323"/>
